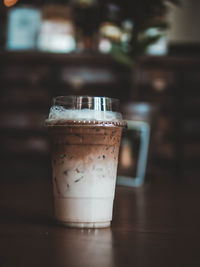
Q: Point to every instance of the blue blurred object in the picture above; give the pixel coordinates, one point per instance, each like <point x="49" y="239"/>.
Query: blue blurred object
<point x="23" y="26"/>
<point x="142" y="129"/>
<point x="135" y="144"/>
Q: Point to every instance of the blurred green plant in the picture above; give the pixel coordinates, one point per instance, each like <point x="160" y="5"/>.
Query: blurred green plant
<point x="144" y="14"/>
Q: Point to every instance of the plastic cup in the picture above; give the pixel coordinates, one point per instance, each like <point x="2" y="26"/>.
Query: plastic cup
<point x="85" y="135"/>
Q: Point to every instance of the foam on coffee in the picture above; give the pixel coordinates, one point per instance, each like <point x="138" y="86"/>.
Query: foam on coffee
<point x="60" y="113"/>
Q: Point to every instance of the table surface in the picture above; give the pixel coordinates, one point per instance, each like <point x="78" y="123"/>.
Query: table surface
<point x="156" y="225"/>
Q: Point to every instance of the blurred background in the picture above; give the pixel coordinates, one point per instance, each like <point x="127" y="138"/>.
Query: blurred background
<point x="146" y="53"/>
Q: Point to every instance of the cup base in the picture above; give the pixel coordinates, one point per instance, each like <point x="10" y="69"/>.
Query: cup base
<point x="84" y="212"/>
<point x="85" y="225"/>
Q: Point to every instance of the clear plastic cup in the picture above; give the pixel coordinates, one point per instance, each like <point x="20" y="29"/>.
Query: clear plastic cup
<point x="85" y="136"/>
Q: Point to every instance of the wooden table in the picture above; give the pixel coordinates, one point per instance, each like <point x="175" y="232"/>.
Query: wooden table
<point x="157" y="225"/>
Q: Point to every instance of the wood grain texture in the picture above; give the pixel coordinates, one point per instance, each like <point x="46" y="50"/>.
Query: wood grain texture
<point x="157" y="225"/>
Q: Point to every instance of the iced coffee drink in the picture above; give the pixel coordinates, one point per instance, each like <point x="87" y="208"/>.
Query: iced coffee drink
<point x="85" y="136"/>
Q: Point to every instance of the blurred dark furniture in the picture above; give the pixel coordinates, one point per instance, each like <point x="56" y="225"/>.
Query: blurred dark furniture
<point x="172" y="83"/>
<point x="29" y="80"/>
